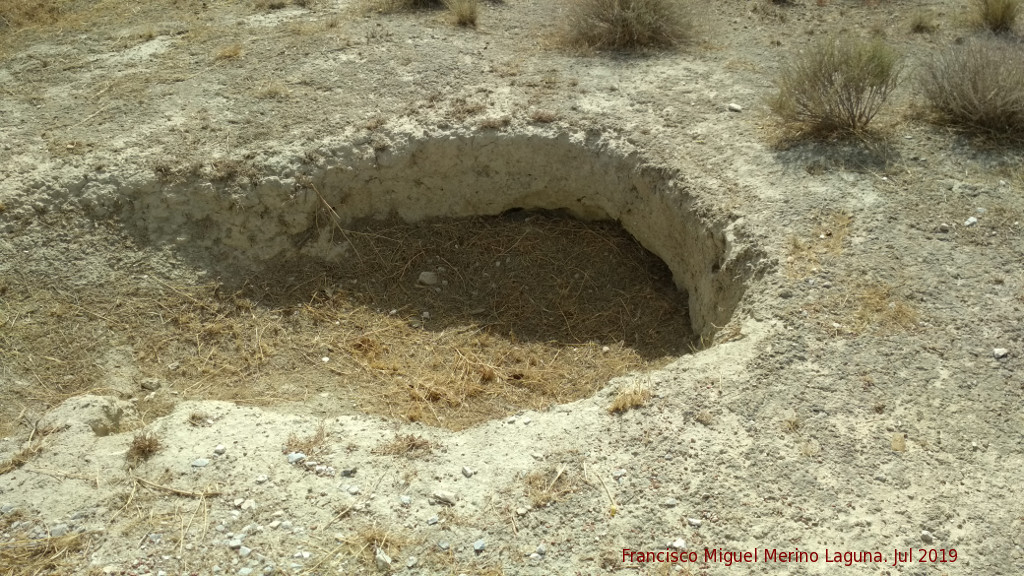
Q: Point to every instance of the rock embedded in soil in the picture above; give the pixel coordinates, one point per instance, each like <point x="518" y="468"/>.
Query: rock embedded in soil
<point x="200" y="462"/>
<point x="1000" y="353"/>
<point x="429" y="279"/>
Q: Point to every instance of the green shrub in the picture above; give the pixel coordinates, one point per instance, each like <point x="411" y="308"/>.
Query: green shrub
<point x="630" y="24"/>
<point x="978" y="85"/>
<point x="838" y="85"/>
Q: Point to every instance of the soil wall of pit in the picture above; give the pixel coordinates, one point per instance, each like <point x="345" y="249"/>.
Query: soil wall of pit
<point x="294" y="207"/>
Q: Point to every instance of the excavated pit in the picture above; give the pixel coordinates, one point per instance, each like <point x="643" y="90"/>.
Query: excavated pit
<point x="448" y="280"/>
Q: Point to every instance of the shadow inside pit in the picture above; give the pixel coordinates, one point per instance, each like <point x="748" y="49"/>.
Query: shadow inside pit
<point x="527" y="276"/>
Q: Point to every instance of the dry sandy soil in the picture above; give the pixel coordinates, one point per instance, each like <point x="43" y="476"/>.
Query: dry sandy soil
<point x="182" y="188"/>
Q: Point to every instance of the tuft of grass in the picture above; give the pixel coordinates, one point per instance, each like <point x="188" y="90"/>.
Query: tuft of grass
<point x="978" y="86"/>
<point x="543" y="116"/>
<point x="837" y="86"/>
<point x="550" y="484"/>
<point x="199" y="419"/>
<point x="630" y="24"/>
<point x="630" y="397"/>
<point x="143" y="447"/>
<point x="228" y="52"/>
<point x="705" y="417"/>
<point x="879" y="306"/>
<point x="314" y="446"/>
<point x="31" y="556"/>
<point x="407" y="445"/>
<point x="923" y="22"/>
<point x="998" y="16"/>
<point x="463" y="12"/>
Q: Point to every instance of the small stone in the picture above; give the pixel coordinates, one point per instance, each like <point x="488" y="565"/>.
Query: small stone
<point x="522" y="510"/>
<point x="273" y="525"/>
<point x="671" y="503"/>
<point x="926" y="537"/>
<point x="526" y="420"/>
<point x="353" y="490"/>
<point x="296" y="457"/>
<point x="444" y="545"/>
<point x="542" y="549"/>
<point x="618" y="474"/>
<point x="382" y="559"/>
<point x="348" y="472"/>
<point x="970" y="221"/>
<point x="200" y="462"/>
<point x="153" y="538"/>
<point x="678" y="544"/>
<point x="411" y="561"/>
<point x="286" y="525"/>
<point x="244" y="571"/>
<point x="535" y="557"/>
<point x="7" y="508"/>
<point x="220" y="450"/>
<point x="235" y="543"/>
<point x="468" y="472"/>
<point x="248" y="504"/>
<point x="429" y="278"/>
<point x="59" y="530"/>
<point x="734" y="107"/>
<point x="261" y="478"/>
<point x="405" y="500"/>
<point x="433" y="520"/>
<point x="785" y="293"/>
<point x="244" y="551"/>
<point x="695" y="522"/>
<point x="444" y="497"/>
<point x="943" y="227"/>
<point x="479" y="546"/>
<point x="1000" y="353"/>
<point x="151" y="384"/>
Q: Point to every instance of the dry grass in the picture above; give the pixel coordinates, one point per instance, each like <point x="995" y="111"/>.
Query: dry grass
<point x="810" y="255"/>
<point x="22" y="457"/>
<point x="408" y="445"/>
<point x="899" y="442"/>
<point x="705" y="417"/>
<point x="143" y="447"/>
<point x="367" y="540"/>
<point x="230" y="52"/>
<point x="879" y="306"/>
<point x="199" y="419"/>
<point x="630" y="397"/>
<point x="835" y="87"/>
<point x="393" y="6"/>
<point x="529" y="305"/>
<point x="20" y="13"/>
<point x="997" y="16"/>
<point x="629" y="24"/>
<point x="314" y="446"/>
<point x="978" y="86"/>
<point x="463" y="12"/>
<point x="31" y="557"/>
<point x="551" y="484"/>
<point x="923" y="22"/>
<point x="543" y="116"/>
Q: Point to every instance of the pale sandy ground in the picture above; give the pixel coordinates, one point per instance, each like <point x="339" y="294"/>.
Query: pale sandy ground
<point x="807" y="405"/>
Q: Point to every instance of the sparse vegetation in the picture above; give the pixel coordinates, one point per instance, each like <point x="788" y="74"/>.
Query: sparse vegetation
<point x="550" y="484"/>
<point x="199" y="419"/>
<point x="408" y="445"/>
<point x="21" y="556"/>
<point x="20" y="13"/>
<point x="978" y="86"/>
<point x="837" y="86"/>
<point x="463" y="11"/>
<point x="143" y="447"/>
<point x="111" y="422"/>
<point x="705" y="417"/>
<point x="543" y="116"/>
<point x="998" y="16"/>
<point x="923" y="22"/>
<point x="229" y="52"/>
<point x="314" y="446"/>
<point x="630" y="24"/>
<point x="630" y="397"/>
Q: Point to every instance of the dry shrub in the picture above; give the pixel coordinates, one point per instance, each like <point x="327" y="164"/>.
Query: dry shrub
<point x="228" y="52"/>
<point x="630" y="24"/>
<point x="143" y="447"/>
<point x="978" y="86"/>
<point x="463" y="11"/>
<point x="407" y="445"/>
<point x="923" y="22"/>
<point x="837" y="86"/>
<point x="630" y="397"/>
<point x="999" y="16"/>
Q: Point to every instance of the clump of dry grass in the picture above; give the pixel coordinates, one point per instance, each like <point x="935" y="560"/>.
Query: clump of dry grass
<point x="878" y="306"/>
<point x="21" y="13"/>
<point x="369" y="539"/>
<point x="792" y="424"/>
<point x="998" y="16"/>
<point x="630" y="24"/>
<point x="229" y="52"/>
<point x="463" y="11"/>
<point x="199" y="419"/>
<point x="837" y="86"/>
<point x="550" y="484"/>
<point x="978" y="86"/>
<point x="630" y="397"/>
<point x="314" y="446"/>
<point x="30" y="557"/>
<point x="408" y="445"/>
<point x="392" y="6"/>
<point x="705" y="417"/>
<point x="923" y="22"/>
<point x="143" y="447"/>
<point x="543" y="116"/>
<point x="22" y="457"/>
